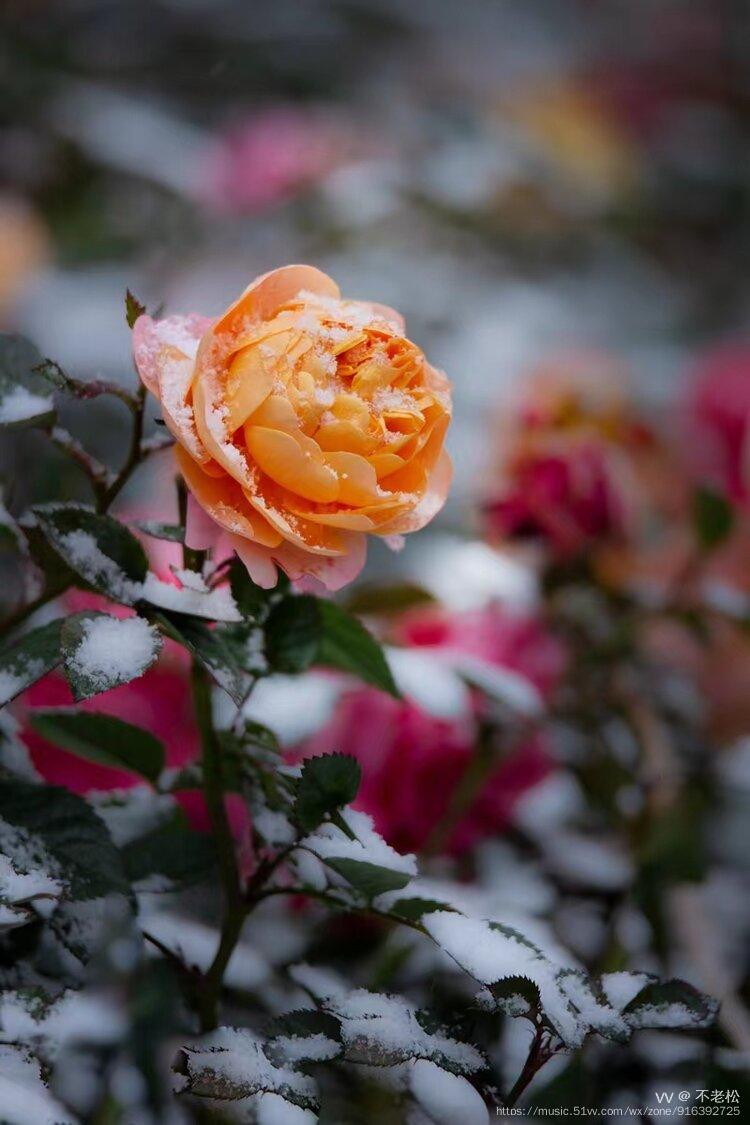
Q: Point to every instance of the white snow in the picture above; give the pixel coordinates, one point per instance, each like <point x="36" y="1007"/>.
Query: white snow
<point x="23" y="1095"/>
<point x="322" y="983"/>
<point x="20" y="403"/>
<point x="113" y="651"/>
<point x="329" y="842"/>
<point x="490" y="955"/>
<point x="621" y="988"/>
<point x="17" y="676"/>
<point x="197" y="943"/>
<point x="385" y="1030"/>
<point x="83" y="551"/>
<point x="446" y="1098"/>
<point x="232" y="1061"/>
<point x="217" y="604"/>
<point x="272" y="1109"/>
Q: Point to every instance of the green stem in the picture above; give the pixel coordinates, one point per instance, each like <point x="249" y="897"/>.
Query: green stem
<point x="137" y="405"/>
<point x="235" y="909"/>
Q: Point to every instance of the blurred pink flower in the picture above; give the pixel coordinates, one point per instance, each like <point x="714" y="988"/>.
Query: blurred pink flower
<point x="719" y="420"/>
<point x="569" y="496"/>
<point x="412" y="760"/>
<point x="270" y="157"/>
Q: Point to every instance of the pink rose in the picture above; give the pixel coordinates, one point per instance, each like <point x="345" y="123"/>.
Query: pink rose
<point x="270" y="157"/>
<point x="719" y="420"/>
<point x="569" y="496"/>
<point x="412" y="760"/>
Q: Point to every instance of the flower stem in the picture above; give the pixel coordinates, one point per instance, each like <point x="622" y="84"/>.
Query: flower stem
<point x="540" y="1053"/>
<point x="235" y="909"/>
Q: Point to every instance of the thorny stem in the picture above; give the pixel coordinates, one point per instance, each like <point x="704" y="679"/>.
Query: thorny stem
<point x="540" y="1052"/>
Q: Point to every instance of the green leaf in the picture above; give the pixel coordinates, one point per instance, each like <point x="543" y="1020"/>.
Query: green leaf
<point x="86" y="668"/>
<point x="412" y="909"/>
<point x="172" y="532"/>
<point x="25" y="398"/>
<point x="25" y="662"/>
<point x="103" y="739"/>
<point x="713" y="517"/>
<point x="173" y="850"/>
<point x="327" y="783"/>
<point x="369" y="879"/>
<point x="71" y="832"/>
<point x="347" y="645"/>
<point x="301" y="631"/>
<point x="213" y="650"/>
<point x="670" y="1004"/>
<point x="133" y="308"/>
<point x="286" y="1036"/>
<point x="99" y="549"/>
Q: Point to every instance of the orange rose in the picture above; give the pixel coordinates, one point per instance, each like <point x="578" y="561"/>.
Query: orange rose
<point x="303" y="423"/>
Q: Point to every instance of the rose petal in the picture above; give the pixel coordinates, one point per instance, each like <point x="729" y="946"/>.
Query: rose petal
<point x="164" y="352"/>
<point x="268" y="293"/>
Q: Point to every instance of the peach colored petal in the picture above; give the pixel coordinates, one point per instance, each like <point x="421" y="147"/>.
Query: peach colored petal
<point x="211" y="425"/>
<point x="224" y="501"/>
<point x="269" y="292"/>
<point x="165" y="352"/>
<point x="358" y="483"/>
<point x="277" y="413"/>
<point x="430" y="504"/>
<point x="276" y="505"/>
<point x="249" y="382"/>
<point x="293" y="461"/>
<point x="333" y="573"/>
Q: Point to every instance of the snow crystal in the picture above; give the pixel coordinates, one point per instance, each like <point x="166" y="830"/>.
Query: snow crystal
<point x="446" y="1097"/>
<point x="113" y="651"/>
<point x="329" y="842"/>
<point x="21" y="403"/>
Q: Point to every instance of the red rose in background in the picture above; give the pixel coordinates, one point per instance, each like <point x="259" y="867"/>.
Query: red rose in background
<point x="719" y="420"/>
<point x="413" y="760"/>
<point x="568" y="497"/>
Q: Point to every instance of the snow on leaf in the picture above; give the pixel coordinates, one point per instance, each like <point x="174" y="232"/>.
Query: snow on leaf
<point x="30" y="658"/>
<point x="230" y="1064"/>
<point x="490" y="952"/>
<point x="24" y="1097"/>
<point x="366" y="861"/>
<point x="446" y="1097"/>
<point x="100" y="651"/>
<point x="382" y="1030"/>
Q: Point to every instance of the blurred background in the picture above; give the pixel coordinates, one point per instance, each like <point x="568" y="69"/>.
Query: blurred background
<point x="526" y="182"/>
